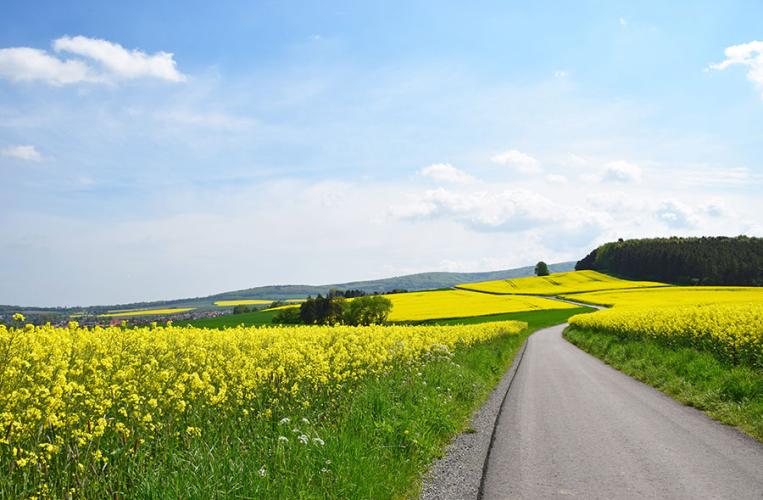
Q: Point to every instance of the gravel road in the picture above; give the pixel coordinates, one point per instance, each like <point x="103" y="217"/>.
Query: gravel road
<point x="571" y="426"/>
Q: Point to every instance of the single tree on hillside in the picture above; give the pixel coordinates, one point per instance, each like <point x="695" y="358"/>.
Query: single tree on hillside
<point x="541" y="269"/>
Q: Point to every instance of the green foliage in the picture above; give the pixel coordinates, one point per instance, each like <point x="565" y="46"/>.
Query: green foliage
<point x="368" y="310"/>
<point x="541" y="269"/>
<point x="288" y="316"/>
<point x="323" y="310"/>
<point x="241" y="309"/>
<point x="731" y="394"/>
<point x="688" y="261"/>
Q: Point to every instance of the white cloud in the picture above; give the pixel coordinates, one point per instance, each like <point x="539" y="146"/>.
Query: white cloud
<point x="96" y="61"/>
<point x="22" y="152"/>
<point x="446" y="172"/>
<point x="746" y="54"/>
<point x="120" y="62"/>
<point x="621" y="171"/>
<point x="518" y="160"/>
<point x="26" y="64"/>
<point x="623" y="21"/>
<point x="560" y="73"/>
<point x="506" y="210"/>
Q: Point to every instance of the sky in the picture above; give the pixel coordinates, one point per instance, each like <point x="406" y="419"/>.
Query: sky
<point x="156" y="151"/>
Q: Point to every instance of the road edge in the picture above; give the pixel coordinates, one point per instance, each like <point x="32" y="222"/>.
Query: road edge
<point x="459" y="473"/>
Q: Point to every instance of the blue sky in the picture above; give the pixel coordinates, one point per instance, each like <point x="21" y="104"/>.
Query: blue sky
<point x="182" y="149"/>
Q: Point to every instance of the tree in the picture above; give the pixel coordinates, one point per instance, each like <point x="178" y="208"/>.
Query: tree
<point x="288" y="316"/>
<point x="368" y="310"/>
<point x="241" y="309"/>
<point x="322" y="310"/>
<point x="541" y="269"/>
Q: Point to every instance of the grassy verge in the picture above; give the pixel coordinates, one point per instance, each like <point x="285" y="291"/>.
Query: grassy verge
<point x="731" y="394"/>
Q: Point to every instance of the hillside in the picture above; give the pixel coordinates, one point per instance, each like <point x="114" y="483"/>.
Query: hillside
<point x="410" y="282"/>
<point x="690" y="261"/>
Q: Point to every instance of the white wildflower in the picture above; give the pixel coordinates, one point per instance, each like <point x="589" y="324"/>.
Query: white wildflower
<point x="319" y="441"/>
<point x="262" y="472"/>
<point x="303" y="439"/>
<point x="283" y="439"/>
<point x="285" y="421"/>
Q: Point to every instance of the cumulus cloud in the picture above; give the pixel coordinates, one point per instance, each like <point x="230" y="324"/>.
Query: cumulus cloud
<point x="518" y="160"/>
<point x="22" y="152"/>
<point x="746" y="54"/>
<point x="445" y="172"/>
<point x="94" y="61"/>
<point x="621" y="171"/>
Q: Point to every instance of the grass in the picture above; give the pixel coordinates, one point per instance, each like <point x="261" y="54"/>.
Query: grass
<point x="534" y="319"/>
<point x="257" y="318"/>
<point x="732" y="394"/>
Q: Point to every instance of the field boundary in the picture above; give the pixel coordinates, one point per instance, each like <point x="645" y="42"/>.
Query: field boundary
<point x="459" y="473"/>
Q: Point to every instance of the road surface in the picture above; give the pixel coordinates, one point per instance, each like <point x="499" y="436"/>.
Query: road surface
<point x="571" y="426"/>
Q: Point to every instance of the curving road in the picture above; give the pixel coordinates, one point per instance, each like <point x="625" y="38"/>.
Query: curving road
<point x="571" y="426"/>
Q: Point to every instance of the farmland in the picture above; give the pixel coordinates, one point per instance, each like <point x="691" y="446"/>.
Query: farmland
<point x="441" y="304"/>
<point x="557" y="284"/>
<point x="672" y="296"/>
<point x="103" y="411"/>
<point x="145" y="312"/>
<point x="250" y="302"/>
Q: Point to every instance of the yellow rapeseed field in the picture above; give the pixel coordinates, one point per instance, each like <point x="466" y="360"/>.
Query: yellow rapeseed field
<point x="75" y="400"/>
<point x="253" y="302"/>
<point x="242" y="302"/>
<point x="558" y="283"/>
<point x="442" y="304"/>
<point x="145" y="312"/>
<point x="731" y="331"/>
<point x="674" y="295"/>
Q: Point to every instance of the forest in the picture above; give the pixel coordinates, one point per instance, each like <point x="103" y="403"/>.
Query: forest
<point x="685" y="261"/>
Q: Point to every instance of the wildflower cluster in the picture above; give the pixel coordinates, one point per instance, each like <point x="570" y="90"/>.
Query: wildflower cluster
<point x="733" y="332"/>
<point x="74" y="400"/>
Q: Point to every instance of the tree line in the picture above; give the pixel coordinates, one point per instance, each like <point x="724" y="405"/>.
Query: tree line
<point x="686" y="261"/>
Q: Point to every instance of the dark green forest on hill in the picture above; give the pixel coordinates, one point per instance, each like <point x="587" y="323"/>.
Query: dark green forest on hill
<point x="688" y="261"/>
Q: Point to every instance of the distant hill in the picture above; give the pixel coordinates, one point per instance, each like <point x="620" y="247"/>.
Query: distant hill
<point x="689" y="261"/>
<point x="411" y="282"/>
